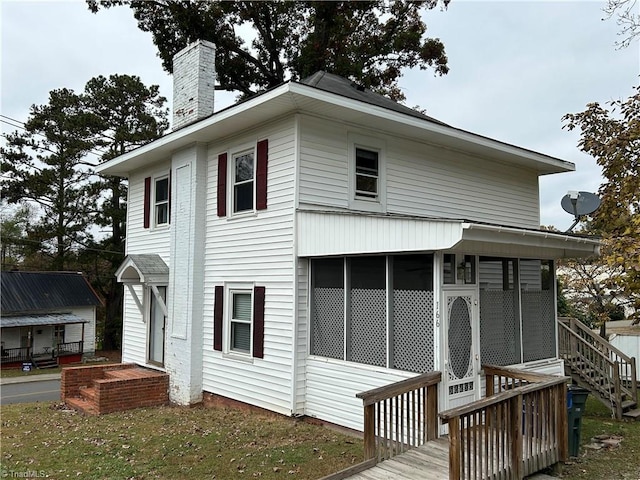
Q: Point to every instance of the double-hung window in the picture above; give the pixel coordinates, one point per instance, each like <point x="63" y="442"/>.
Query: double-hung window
<point x="240" y="321"/>
<point x="161" y="201"/>
<point x="243" y="181"/>
<point x="367" y="174"/>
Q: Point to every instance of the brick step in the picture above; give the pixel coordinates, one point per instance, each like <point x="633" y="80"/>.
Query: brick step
<point x="82" y="405"/>
<point x="132" y="373"/>
<point x="88" y="393"/>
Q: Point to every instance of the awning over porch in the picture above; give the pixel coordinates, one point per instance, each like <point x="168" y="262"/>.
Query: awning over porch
<point x="42" y="319"/>
<point x="324" y="233"/>
<point x="145" y="269"/>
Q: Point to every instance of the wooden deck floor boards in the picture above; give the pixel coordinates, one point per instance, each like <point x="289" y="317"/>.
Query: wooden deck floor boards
<point x="427" y="462"/>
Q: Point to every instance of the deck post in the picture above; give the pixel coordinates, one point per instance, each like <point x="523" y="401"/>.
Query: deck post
<point x="516" y="436"/>
<point x="634" y="379"/>
<point x="369" y="432"/>
<point x="432" y="412"/>
<point x="617" y="389"/>
<point x="454" y="448"/>
<point x="562" y="422"/>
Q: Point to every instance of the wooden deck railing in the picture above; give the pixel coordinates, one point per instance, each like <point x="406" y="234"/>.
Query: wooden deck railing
<point x="20" y="354"/>
<point x="69" y="348"/>
<point x="606" y="371"/>
<point x="518" y="429"/>
<point x="400" y="416"/>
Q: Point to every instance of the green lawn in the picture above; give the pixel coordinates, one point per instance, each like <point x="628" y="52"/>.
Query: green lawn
<point x="226" y="443"/>
<point x="619" y="463"/>
<point x="170" y="442"/>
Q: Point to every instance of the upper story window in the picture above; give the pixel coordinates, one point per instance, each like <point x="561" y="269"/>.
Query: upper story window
<point x="367" y="173"/>
<point x="161" y="201"/>
<point x="367" y="176"/>
<point x="243" y="181"/>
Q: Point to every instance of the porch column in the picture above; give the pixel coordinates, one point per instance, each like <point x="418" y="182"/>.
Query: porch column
<point x="183" y="348"/>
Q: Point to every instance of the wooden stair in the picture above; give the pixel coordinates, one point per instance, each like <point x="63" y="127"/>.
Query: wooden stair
<point x="44" y="361"/>
<point x="595" y="364"/>
<point x="111" y="388"/>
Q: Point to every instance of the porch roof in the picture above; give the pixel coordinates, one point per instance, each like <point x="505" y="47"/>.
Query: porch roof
<point x="41" y="319"/>
<point x="146" y="268"/>
<point x="326" y="233"/>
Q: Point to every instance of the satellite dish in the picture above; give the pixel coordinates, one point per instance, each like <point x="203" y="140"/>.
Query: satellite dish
<point x="579" y="204"/>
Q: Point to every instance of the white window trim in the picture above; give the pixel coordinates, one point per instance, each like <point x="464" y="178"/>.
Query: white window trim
<point x="231" y="180"/>
<point x="154" y="204"/>
<point x="379" y="204"/>
<point x="231" y="289"/>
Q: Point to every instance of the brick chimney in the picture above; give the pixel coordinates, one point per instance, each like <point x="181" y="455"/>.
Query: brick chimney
<point x="194" y="74"/>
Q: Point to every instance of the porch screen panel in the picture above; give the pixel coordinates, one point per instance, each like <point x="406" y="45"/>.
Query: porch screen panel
<point x="412" y="325"/>
<point x="367" y="335"/>
<point x="327" y="335"/>
<point x="538" y="315"/>
<point x="499" y="319"/>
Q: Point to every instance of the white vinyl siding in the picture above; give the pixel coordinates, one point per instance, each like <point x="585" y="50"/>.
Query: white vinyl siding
<point x="73" y="332"/>
<point x="421" y="179"/>
<point x="332" y="387"/>
<point x="254" y="249"/>
<point x="140" y="240"/>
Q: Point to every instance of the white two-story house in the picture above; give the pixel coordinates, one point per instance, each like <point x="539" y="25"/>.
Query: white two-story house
<point x="319" y="240"/>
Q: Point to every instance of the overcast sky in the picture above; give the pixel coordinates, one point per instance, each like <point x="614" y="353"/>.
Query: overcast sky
<point x="516" y="69"/>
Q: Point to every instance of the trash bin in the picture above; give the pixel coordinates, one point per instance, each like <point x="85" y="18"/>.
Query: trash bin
<point x="576" y="400"/>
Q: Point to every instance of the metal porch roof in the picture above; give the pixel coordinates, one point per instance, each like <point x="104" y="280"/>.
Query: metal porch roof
<point x="40" y="320"/>
<point x="24" y="292"/>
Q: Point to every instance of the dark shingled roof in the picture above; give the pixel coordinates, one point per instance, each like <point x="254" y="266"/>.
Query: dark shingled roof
<point x="38" y="291"/>
<point x="346" y="88"/>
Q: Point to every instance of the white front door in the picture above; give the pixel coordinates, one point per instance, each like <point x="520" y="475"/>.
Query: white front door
<point x="461" y="376"/>
<point x="157" y="322"/>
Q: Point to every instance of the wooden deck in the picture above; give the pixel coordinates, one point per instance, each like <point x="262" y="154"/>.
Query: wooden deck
<point x="427" y="462"/>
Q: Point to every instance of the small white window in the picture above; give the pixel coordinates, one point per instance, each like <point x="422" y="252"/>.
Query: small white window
<point x="243" y="181"/>
<point x="367" y="174"/>
<point x="240" y="321"/>
<point x="161" y="201"/>
<point x="367" y="178"/>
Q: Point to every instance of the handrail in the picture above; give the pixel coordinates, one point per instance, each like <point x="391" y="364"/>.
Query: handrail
<point x="617" y="363"/>
<point x="400" y="416"/>
<point x="513" y="433"/>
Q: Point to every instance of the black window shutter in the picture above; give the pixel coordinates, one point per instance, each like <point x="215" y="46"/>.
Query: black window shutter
<point x="217" y="318"/>
<point x="261" y="174"/>
<point x="147" y="201"/>
<point x="222" y="185"/>
<point x="258" y="322"/>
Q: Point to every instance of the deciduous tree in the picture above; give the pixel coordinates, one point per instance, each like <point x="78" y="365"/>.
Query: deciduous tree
<point x="369" y="41"/>
<point x="611" y="134"/>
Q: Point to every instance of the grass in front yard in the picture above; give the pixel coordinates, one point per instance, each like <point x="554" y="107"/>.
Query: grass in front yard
<point x="610" y="464"/>
<point x="170" y="442"/>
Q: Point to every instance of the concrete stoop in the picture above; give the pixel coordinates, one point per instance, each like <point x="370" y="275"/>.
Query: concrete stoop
<point x="101" y="389"/>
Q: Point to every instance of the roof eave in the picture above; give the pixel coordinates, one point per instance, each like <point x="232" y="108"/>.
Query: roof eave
<point x="292" y="97"/>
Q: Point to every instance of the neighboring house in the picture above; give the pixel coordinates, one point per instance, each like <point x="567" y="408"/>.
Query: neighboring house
<point x="625" y="336"/>
<point x="319" y="240"/>
<point x="46" y="315"/>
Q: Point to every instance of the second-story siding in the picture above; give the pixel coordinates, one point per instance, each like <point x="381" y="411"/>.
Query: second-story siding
<point x="421" y="179"/>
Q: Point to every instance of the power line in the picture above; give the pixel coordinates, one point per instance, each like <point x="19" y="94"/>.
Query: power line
<point x="94" y="151"/>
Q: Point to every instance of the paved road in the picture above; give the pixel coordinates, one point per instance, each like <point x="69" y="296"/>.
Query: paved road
<point x="30" y="389"/>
